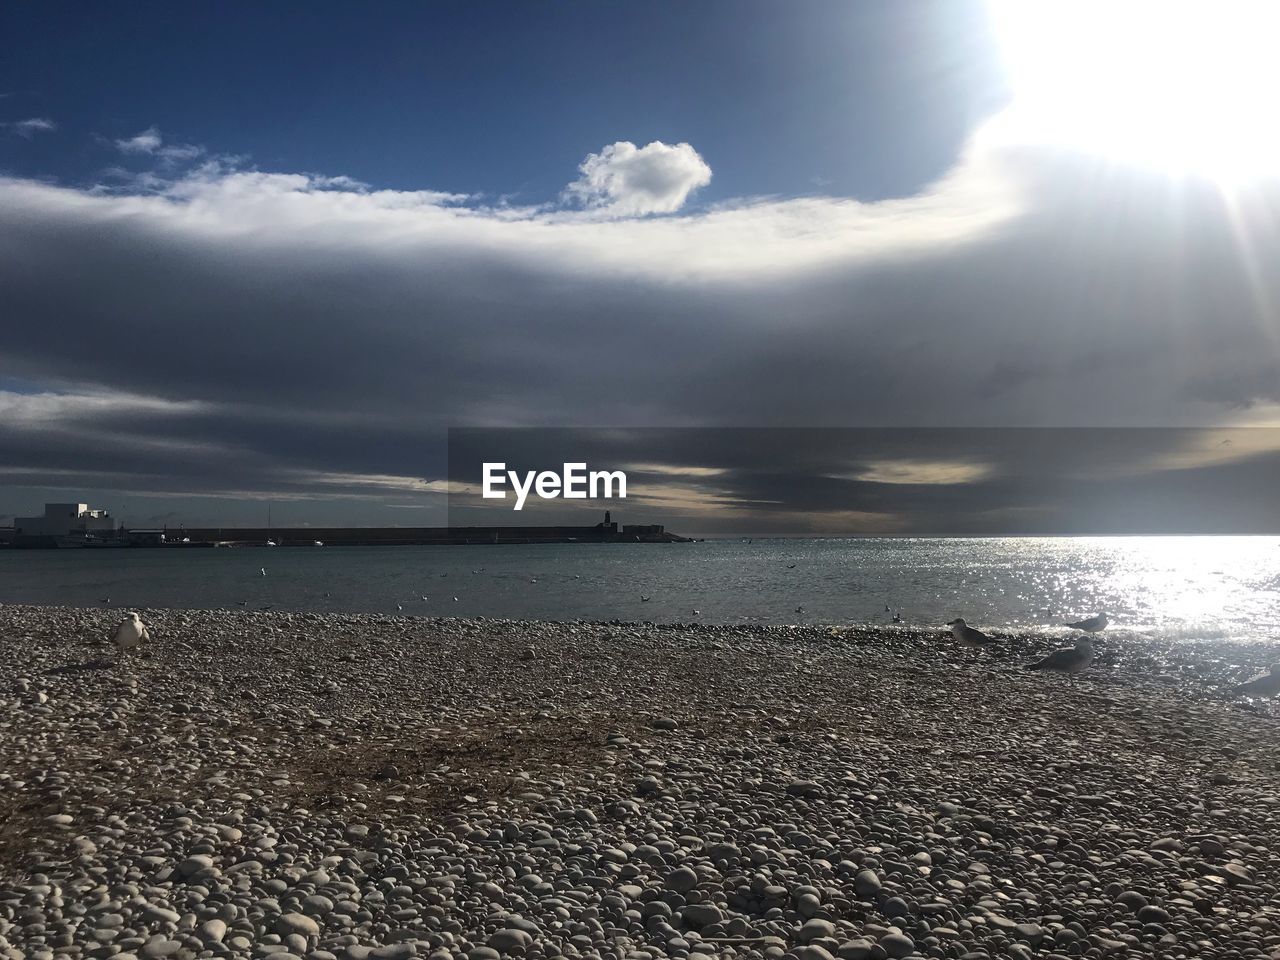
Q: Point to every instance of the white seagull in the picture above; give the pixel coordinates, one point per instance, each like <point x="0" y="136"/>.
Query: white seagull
<point x="1068" y="660"/>
<point x="1266" y="685"/>
<point x="1091" y="624"/>
<point x="131" y="632"/>
<point x="966" y="636"/>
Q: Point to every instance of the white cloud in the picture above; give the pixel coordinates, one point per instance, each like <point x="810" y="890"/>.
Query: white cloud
<point x="150" y="143"/>
<point x="41" y="409"/>
<point x="30" y="127"/>
<point x="625" y="180"/>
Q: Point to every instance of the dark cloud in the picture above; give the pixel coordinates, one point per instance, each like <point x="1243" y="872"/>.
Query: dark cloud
<point x="233" y="333"/>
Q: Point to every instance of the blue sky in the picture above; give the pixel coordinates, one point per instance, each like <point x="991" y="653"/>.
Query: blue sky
<point x="857" y="99"/>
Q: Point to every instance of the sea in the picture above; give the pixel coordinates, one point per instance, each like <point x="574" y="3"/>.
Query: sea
<point x="1168" y="588"/>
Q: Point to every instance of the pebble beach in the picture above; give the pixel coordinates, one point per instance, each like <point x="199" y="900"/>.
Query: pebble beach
<point x="286" y="785"/>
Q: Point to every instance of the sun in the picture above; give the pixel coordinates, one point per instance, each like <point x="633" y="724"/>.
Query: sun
<point x="1186" y="86"/>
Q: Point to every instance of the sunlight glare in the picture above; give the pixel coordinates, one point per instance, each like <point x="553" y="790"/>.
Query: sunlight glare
<point x="1187" y="86"/>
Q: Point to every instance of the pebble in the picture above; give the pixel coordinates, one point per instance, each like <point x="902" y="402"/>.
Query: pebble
<point x="275" y="786"/>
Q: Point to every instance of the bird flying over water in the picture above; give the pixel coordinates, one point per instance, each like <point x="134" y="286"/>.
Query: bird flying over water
<point x="1091" y="624"/>
<point x="1068" y="660"/>
<point x="1266" y="685"/>
<point x="966" y="636"/>
<point x="131" y="632"/>
<point x="644" y="599"/>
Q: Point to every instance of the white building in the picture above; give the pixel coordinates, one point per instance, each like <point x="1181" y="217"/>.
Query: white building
<point x="64" y="519"/>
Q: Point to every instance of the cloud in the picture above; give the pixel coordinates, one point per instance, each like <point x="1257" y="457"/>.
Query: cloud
<point x="923" y="472"/>
<point x="625" y="180"/>
<point x="150" y="143"/>
<point x="256" y="330"/>
<point x="30" y="127"/>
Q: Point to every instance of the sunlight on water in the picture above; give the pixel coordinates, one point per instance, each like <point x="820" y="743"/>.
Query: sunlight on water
<point x="1180" y="588"/>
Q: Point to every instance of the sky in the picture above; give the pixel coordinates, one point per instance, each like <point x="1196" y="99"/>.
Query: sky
<point x="252" y="254"/>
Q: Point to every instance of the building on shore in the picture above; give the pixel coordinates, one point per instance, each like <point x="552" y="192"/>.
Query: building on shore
<point x="63" y="522"/>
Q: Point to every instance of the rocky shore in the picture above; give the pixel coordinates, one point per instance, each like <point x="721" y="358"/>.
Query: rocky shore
<point x="296" y="785"/>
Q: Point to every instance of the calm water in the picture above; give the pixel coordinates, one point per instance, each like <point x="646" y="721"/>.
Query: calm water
<point x="1180" y="588"/>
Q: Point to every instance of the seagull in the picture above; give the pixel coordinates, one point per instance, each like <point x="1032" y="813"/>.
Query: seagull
<point x="131" y="632"/>
<point x="897" y="618"/>
<point x="1090" y="625"/>
<point x="886" y="608"/>
<point x="399" y="606"/>
<point x="697" y="613"/>
<point x="533" y="579"/>
<point x="799" y="609"/>
<point x="791" y="566"/>
<point x="644" y="599"/>
<point x="966" y="636"/>
<point x="455" y="599"/>
<point x="1267" y="685"/>
<point x="242" y="603"/>
<point x="1069" y="659"/>
<point x="264" y="571"/>
<point x="106" y="600"/>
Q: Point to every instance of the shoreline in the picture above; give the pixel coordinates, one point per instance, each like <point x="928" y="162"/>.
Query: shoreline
<point x="335" y="784"/>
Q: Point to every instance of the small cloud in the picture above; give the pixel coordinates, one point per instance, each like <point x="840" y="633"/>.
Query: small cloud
<point x="625" y="180"/>
<point x="29" y="128"/>
<point x="150" y="143"/>
<point x="675" y="470"/>
<point x="927" y="472"/>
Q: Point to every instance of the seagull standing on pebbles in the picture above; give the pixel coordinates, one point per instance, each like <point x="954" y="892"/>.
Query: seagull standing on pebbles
<point x="966" y="636"/>
<point x="1090" y="625"/>
<point x="1068" y="660"/>
<point x="1267" y="685"/>
<point x="131" y="632"/>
